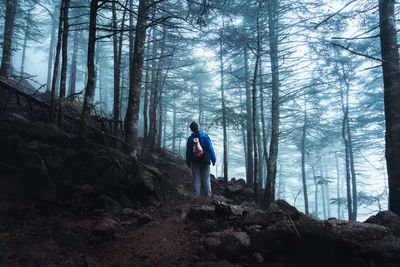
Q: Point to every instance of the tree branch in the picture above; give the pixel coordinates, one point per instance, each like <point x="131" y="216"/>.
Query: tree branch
<point x="355" y="52"/>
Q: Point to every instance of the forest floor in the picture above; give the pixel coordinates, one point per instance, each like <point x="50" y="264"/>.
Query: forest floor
<point x="55" y="234"/>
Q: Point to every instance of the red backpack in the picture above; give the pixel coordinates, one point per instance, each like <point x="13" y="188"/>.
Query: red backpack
<point x="197" y="149"/>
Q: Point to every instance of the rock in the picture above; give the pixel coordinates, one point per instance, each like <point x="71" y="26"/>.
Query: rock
<point x="144" y="218"/>
<point x="125" y="201"/>
<point x="212" y="242"/>
<point x="257" y="258"/>
<point x="53" y="162"/>
<point x="224" y="209"/>
<point x="87" y="190"/>
<point x="110" y="204"/>
<point x="255" y="228"/>
<point x="286" y="207"/>
<point x="207" y="225"/>
<point x="47" y="132"/>
<point x="235" y="244"/>
<point x="254" y="218"/>
<point x="106" y="228"/>
<point x="199" y="214"/>
<point x="131" y="212"/>
<point x="16" y="119"/>
<point x="387" y="218"/>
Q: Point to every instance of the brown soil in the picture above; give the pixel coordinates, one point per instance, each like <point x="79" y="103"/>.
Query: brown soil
<point x="55" y="234"/>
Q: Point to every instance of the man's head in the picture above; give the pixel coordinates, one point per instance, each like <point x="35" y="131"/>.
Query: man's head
<point x="194" y="126"/>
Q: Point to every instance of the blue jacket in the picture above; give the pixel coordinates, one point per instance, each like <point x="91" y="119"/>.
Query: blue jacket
<point x="205" y="143"/>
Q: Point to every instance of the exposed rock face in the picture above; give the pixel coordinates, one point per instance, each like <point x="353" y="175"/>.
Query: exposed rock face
<point x="235" y="190"/>
<point x="283" y="236"/>
<point x="50" y="158"/>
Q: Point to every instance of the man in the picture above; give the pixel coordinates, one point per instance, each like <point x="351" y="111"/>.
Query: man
<point x="199" y="154"/>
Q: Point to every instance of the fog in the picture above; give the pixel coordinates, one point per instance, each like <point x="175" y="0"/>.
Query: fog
<point x="317" y="68"/>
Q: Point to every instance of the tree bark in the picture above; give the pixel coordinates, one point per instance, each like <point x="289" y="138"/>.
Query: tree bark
<point x="117" y="49"/>
<point x="263" y="126"/>
<point x="224" y="126"/>
<point x="56" y="63"/>
<point x="26" y="37"/>
<point x="135" y="84"/>
<point x="146" y="95"/>
<point x="64" y="64"/>
<point x="249" y="174"/>
<point x="89" y="91"/>
<point x="303" y="159"/>
<point x="338" y="186"/>
<point x="315" y="192"/>
<point x="11" y="10"/>
<point x="273" y="149"/>
<point x="153" y="93"/>
<point x="391" y="81"/>
<point x="51" y="49"/>
<point x="72" y="76"/>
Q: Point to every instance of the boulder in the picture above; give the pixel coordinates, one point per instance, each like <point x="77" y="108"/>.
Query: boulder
<point x="106" y="228"/>
<point x="212" y="241"/>
<point x="110" y="204"/>
<point x="87" y="190"/>
<point x="47" y="132"/>
<point x="202" y="213"/>
<point x="235" y="244"/>
<point x="144" y="219"/>
<point x="131" y="212"/>
<point x="387" y="218"/>
<point x="16" y="119"/>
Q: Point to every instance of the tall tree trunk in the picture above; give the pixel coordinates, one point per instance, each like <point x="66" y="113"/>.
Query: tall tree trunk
<point x="89" y="91"/>
<point x="26" y="37"/>
<point x="64" y="64"/>
<point x="135" y="84"/>
<point x="117" y="49"/>
<point x="153" y="93"/>
<point x="391" y="81"/>
<point x="146" y="94"/>
<point x="199" y="92"/>
<point x="249" y="174"/>
<point x="353" y="172"/>
<point x="11" y="10"/>
<point x="350" y="151"/>
<point x="338" y="186"/>
<point x="303" y="159"/>
<point x="346" y="158"/>
<point x="174" y="127"/>
<point x="160" y="119"/>
<point x="316" y="191"/>
<point x="322" y="185"/>
<point x="51" y="49"/>
<point x="328" y="207"/>
<point x="72" y="76"/>
<point x="255" y="147"/>
<point x="273" y="149"/>
<point x="56" y="63"/>
<point x="263" y="126"/>
<point x="224" y="126"/>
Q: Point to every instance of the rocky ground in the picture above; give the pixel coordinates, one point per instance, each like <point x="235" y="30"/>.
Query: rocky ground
<point x="65" y="205"/>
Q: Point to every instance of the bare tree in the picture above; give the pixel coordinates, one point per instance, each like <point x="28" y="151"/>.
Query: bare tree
<point x="11" y="9"/>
